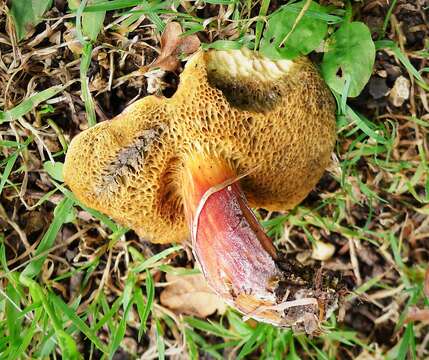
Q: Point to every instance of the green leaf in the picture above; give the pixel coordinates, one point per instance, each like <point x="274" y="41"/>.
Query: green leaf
<point x="86" y="93"/>
<point x="67" y="345"/>
<point x="364" y="124"/>
<point x="112" y="5"/>
<point x="103" y="218"/>
<point x="78" y="322"/>
<point x="407" y="345"/>
<point x="27" y="14"/>
<point x="128" y="290"/>
<point x="69" y="217"/>
<point x="253" y="341"/>
<point x="12" y="312"/>
<point x="237" y="323"/>
<point x="30" y="103"/>
<point x="65" y="341"/>
<point x="289" y="34"/>
<point x="34" y="267"/>
<point x="178" y="271"/>
<point x="108" y="316"/>
<point x="154" y="259"/>
<point x="92" y="22"/>
<point x="260" y="24"/>
<point x="150" y="9"/>
<point x="222" y="45"/>
<point x="85" y="62"/>
<point x="27" y="336"/>
<point x="192" y="347"/>
<point x="7" y="170"/>
<point x="159" y="341"/>
<point x="119" y="333"/>
<point x="350" y="55"/>
<point x="210" y="327"/>
<point x="55" y="170"/>
<point x="145" y="309"/>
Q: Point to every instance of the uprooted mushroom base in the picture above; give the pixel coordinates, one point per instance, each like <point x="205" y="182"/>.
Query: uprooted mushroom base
<point x="240" y="262"/>
<point x="309" y="282"/>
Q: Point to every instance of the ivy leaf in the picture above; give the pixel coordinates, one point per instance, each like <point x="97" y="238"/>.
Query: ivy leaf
<point x="293" y="31"/>
<point x="350" y="56"/>
<point x="27" y="14"/>
<point x="55" y="170"/>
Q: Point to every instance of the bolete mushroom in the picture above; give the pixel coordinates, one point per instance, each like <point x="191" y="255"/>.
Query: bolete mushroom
<point x="241" y="130"/>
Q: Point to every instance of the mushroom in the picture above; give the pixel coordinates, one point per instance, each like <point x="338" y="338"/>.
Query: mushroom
<point x="241" y="131"/>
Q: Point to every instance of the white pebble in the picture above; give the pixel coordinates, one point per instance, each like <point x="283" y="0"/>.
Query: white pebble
<point x="322" y="251"/>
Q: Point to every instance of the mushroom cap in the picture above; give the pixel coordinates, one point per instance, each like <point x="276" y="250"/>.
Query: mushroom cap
<point x="274" y="120"/>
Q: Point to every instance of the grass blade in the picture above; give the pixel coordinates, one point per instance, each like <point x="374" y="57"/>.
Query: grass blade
<point x="260" y="24"/>
<point x="29" y="104"/>
<point x="7" y="170"/>
<point x="154" y="259"/>
<point x="144" y="310"/>
<point x="159" y="341"/>
<point x="63" y="209"/>
<point x="78" y="323"/>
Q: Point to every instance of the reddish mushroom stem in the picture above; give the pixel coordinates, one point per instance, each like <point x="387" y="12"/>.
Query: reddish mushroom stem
<point x="235" y="255"/>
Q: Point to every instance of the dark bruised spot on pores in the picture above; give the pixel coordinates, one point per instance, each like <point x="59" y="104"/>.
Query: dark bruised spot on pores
<point x="129" y="159"/>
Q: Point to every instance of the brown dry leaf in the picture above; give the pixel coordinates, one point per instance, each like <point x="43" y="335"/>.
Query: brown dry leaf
<point x="190" y="294"/>
<point x="71" y="40"/>
<point x="173" y="46"/>
<point x="416" y="314"/>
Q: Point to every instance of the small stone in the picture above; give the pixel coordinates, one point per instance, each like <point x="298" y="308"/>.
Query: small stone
<point x="400" y="91"/>
<point x="382" y="73"/>
<point x="378" y="88"/>
<point x="392" y="71"/>
<point x="322" y="251"/>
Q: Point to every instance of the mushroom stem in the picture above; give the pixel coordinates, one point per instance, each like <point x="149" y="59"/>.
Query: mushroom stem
<point x="235" y="255"/>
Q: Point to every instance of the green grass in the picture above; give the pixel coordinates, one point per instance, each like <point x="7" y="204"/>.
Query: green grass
<point x="109" y="304"/>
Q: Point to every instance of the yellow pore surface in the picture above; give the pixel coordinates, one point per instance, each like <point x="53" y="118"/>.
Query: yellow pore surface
<point x="273" y="119"/>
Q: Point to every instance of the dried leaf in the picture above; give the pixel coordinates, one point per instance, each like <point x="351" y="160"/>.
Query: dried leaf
<point x="173" y="46"/>
<point x="170" y="39"/>
<point x="190" y="294"/>
<point x="71" y="40"/>
<point x="416" y="314"/>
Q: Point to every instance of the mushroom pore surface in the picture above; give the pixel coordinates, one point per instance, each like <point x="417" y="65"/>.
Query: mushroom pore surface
<point x="271" y="119"/>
